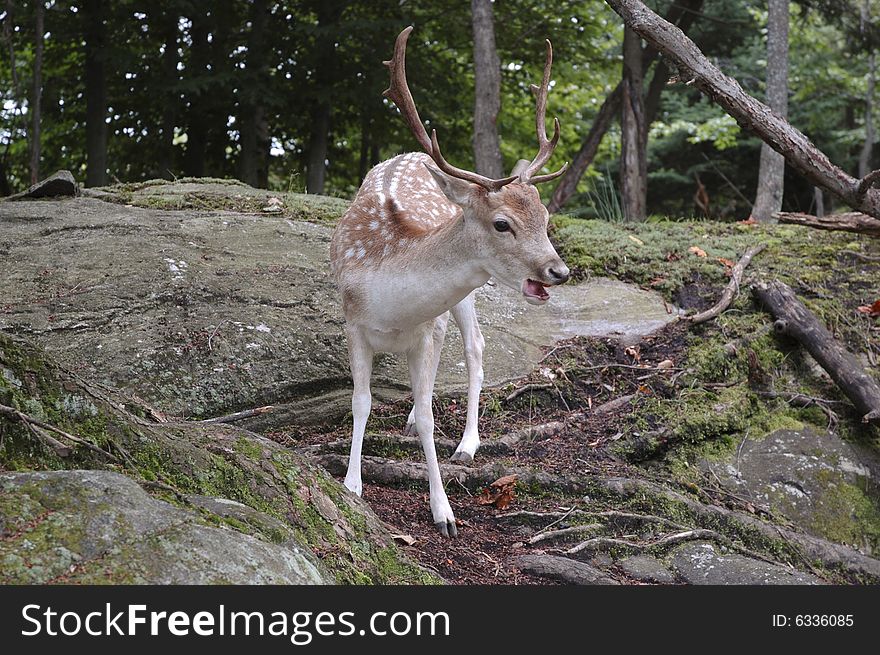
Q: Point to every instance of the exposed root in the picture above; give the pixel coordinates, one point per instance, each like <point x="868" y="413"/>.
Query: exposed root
<point x="39" y="428"/>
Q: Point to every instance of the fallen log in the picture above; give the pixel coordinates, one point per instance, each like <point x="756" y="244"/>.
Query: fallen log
<point x="847" y="222"/>
<point x="732" y="287"/>
<point x="795" y="320"/>
<point x="756" y="117"/>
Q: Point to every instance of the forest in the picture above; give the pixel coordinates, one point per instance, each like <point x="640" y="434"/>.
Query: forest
<point x="662" y="365"/>
<point x="288" y="95"/>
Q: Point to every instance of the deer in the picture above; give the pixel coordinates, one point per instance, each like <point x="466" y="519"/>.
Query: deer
<point x="420" y="237"/>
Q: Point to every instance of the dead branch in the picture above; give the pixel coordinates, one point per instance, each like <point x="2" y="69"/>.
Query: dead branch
<point x="752" y="115"/>
<point x="847" y="222"/>
<point x="731" y="290"/>
<point x="30" y="422"/>
<point x="238" y="416"/>
<point x="870" y="180"/>
<point x="795" y="320"/>
<point x="802" y="400"/>
<point x="860" y="256"/>
<point x="526" y="388"/>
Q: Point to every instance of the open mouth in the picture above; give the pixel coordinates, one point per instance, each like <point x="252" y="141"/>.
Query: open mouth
<point x="535" y="292"/>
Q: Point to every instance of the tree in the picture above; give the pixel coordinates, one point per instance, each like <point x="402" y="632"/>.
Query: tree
<point x="37" y="95"/>
<point x="683" y="14"/>
<point x="487" y="92"/>
<point x="325" y="69"/>
<point x="95" y="33"/>
<point x="751" y="114"/>
<point x="253" y="162"/>
<point x="865" y="155"/>
<point x="771" y="172"/>
<point x="634" y="132"/>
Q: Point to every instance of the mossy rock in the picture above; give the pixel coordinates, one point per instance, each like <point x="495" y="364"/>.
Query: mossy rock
<point x="87" y="527"/>
<point x="227" y="476"/>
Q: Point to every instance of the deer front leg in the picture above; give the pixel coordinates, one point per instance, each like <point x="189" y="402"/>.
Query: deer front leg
<point x="421" y="361"/>
<point x="360" y="356"/>
<point x="439" y="335"/>
<point x="465" y="315"/>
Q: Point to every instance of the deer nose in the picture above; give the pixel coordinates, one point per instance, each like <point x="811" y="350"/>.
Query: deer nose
<point x="558" y="272"/>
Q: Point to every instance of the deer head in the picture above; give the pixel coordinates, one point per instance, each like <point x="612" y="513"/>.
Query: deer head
<point x="505" y="217"/>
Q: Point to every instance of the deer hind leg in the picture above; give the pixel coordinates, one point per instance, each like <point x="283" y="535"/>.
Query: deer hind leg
<point x="360" y="356"/>
<point x="439" y="335"/>
<point x="465" y="315"/>
<point x="421" y="370"/>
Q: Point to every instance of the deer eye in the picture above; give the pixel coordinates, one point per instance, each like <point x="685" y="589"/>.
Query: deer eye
<point x="501" y="225"/>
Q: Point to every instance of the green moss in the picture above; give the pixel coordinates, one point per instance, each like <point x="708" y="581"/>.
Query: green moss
<point x="846" y="513"/>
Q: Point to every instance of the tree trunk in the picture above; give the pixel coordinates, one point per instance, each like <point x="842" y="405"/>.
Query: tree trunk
<point x="95" y="32"/>
<point x="169" y="28"/>
<point x="751" y="114"/>
<point x="253" y="129"/>
<point x="682" y="13"/>
<point x="634" y="132"/>
<point x="487" y="102"/>
<point x="771" y="172"/>
<point x="326" y="73"/>
<point x="316" y="167"/>
<point x="868" y="147"/>
<point x="846" y="222"/>
<point x="197" y="120"/>
<point x="36" y="98"/>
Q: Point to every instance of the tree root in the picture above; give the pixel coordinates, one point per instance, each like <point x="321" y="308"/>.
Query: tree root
<point x="731" y="290"/>
<point x="39" y="429"/>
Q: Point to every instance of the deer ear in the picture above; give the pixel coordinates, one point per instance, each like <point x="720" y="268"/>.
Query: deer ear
<point x="456" y="190"/>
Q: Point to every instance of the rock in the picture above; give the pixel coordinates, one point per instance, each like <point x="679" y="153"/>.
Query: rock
<point x="60" y="183"/>
<point x="815" y="479"/>
<point x="699" y="563"/>
<point x="200" y="313"/>
<point x="563" y="569"/>
<point x="97" y="526"/>
<point x="646" y="569"/>
<point x="225" y="476"/>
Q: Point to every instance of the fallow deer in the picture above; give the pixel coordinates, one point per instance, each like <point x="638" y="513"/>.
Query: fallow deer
<point x="420" y="237"/>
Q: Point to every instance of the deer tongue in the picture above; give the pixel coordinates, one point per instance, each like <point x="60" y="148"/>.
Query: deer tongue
<point x="534" y="289"/>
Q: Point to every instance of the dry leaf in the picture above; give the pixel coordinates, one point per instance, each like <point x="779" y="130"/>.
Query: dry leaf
<point x="749" y="221"/>
<point x="666" y="364"/>
<point x="636" y="239"/>
<point x="500" y="493"/>
<point x="407" y="539"/>
<point x="633" y="351"/>
<point x="699" y="252"/>
<point x="672" y="256"/>
<point x="871" y="310"/>
<point x="726" y="262"/>
<point x="656" y="281"/>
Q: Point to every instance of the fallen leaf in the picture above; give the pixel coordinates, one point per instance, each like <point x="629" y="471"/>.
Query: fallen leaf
<point x="636" y="239"/>
<point x="500" y="493"/>
<point x="672" y="256"/>
<point x="726" y="262"/>
<point x="407" y="539"/>
<point x="504" y="481"/>
<point x="666" y="364"/>
<point x="749" y="221"/>
<point x="872" y="310"/>
<point x="699" y="252"/>
<point x="656" y="281"/>
<point x="633" y="351"/>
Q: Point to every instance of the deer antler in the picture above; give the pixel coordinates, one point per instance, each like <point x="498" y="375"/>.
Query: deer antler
<point x="545" y="146"/>
<point x="399" y="93"/>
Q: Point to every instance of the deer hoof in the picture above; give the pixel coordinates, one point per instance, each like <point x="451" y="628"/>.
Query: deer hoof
<point x="447" y="528"/>
<point x="462" y="457"/>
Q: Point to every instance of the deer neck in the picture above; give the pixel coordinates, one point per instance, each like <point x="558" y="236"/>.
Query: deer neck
<point x="445" y="266"/>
